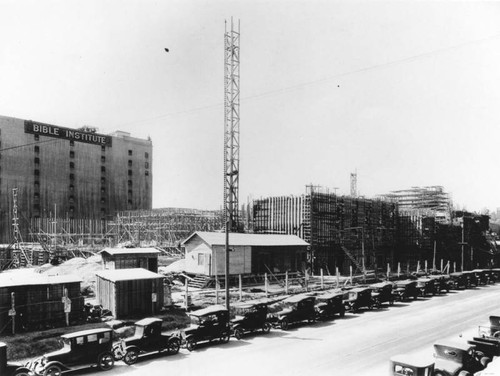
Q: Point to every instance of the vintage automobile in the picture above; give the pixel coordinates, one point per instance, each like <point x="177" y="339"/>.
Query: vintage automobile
<point x="207" y="324"/>
<point x="482" y="276"/>
<point x="249" y="317"/>
<point x="426" y="286"/>
<point x="9" y="368"/>
<point x="294" y="309"/>
<point x="359" y="297"/>
<point x="330" y="304"/>
<point x="491" y="331"/>
<point x="495" y="275"/>
<point x="442" y="282"/>
<point x="382" y="292"/>
<point x="83" y="349"/>
<point x="458" y="359"/>
<point x="147" y="339"/>
<point x="472" y="278"/>
<point x="411" y="365"/>
<point x="404" y="290"/>
<point x="459" y="281"/>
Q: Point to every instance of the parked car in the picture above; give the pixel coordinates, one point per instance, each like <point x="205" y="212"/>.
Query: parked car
<point x="207" y="324"/>
<point x="12" y="369"/>
<point x="249" y="317"/>
<point x="493" y="330"/>
<point x="426" y="286"/>
<point x="456" y="359"/>
<point x="83" y="349"/>
<point x="382" y="292"/>
<point x="472" y="278"/>
<point x="409" y="365"/>
<point x="442" y="282"/>
<point x="147" y="339"/>
<point x="292" y="310"/>
<point x="482" y="276"/>
<point x="330" y="304"/>
<point x="459" y="280"/>
<point x="359" y="297"/>
<point x="405" y="290"/>
<point x="495" y="275"/>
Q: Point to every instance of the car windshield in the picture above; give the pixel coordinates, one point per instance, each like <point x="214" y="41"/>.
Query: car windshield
<point x="195" y="320"/>
<point x="65" y="343"/>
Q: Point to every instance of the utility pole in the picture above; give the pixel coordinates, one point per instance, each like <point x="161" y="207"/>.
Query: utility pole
<point x="231" y="137"/>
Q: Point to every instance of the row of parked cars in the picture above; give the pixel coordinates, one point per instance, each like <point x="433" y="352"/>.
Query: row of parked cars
<point x="470" y="357"/>
<point x="96" y="347"/>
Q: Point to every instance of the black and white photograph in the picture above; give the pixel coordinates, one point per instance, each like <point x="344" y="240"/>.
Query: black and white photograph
<point x="249" y="187"/>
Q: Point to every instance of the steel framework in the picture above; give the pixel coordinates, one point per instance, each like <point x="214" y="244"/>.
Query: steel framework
<point x="231" y="126"/>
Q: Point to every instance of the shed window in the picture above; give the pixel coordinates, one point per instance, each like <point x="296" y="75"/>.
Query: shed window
<point x="201" y="258"/>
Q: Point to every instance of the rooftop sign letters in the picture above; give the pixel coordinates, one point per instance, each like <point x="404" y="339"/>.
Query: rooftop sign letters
<point x="66" y="133"/>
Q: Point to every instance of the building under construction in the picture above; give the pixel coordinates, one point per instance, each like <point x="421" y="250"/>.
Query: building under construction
<point x="343" y="231"/>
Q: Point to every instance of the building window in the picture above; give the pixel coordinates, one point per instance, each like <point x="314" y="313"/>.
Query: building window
<point x="103" y="200"/>
<point x="71" y="199"/>
<point x="146" y="165"/>
<point x="37" y="184"/>
<point x="71" y="188"/>
<point x="36" y="208"/>
<point x="37" y="149"/>
<point x="103" y="148"/>
<point x="129" y="183"/>
<point x="71" y="209"/>
<point x="37" y="137"/>
<point x="146" y="173"/>
<point x="71" y="177"/>
<point x="129" y="172"/>
<point x="103" y="190"/>
<point x="103" y="180"/>
<point x="37" y="172"/>
<point x="130" y="202"/>
<point x="146" y="155"/>
<point x="36" y="196"/>
<point x="71" y="143"/>
<point x="129" y="163"/>
<point x="72" y="154"/>
<point x="72" y="165"/>
<point x="103" y="159"/>
<point x="37" y="160"/>
<point x="103" y="169"/>
<point x="130" y="152"/>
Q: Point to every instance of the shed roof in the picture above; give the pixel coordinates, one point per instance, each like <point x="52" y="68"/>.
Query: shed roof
<point x="32" y="279"/>
<point x="127" y="274"/>
<point x="237" y="239"/>
<point x="129" y="251"/>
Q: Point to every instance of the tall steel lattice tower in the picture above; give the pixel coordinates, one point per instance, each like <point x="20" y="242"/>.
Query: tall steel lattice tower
<point x="231" y="126"/>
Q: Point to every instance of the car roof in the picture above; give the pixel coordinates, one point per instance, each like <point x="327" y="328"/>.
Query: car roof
<point x="298" y="298"/>
<point x="208" y="310"/>
<point x="405" y="282"/>
<point x="381" y="284"/>
<point x="455" y="345"/>
<point x="359" y="289"/>
<point x="147" y="321"/>
<point x="329" y="295"/>
<point x="86" y="332"/>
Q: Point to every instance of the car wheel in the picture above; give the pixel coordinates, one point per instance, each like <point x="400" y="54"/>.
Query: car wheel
<point x="496" y="334"/>
<point x="190" y="344"/>
<point x="266" y="328"/>
<point x="105" y="361"/>
<point x="238" y="333"/>
<point x="225" y="338"/>
<point x="173" y="346"/>
<point x="117" y="353"/>
<point x="22" y="373"/>
<point x="284" y="324"/>
<point x="52" y="371"/>
<point x="131" y="356"/>
<point x="311" y="320"/>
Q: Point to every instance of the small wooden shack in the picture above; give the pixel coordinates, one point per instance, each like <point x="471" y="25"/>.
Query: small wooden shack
<point x="129" y="292"/>
<point x="37" y="300"/>
<point x="250" y="253"/>
<point x="126" y="258"/>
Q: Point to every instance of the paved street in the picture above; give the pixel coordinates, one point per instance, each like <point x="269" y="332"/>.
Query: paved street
<point x="359" y="344"/>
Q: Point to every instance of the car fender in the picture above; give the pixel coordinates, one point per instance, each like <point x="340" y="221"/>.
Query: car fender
<point x="132" y="347"/>
<point x="56" y="363"/>
<point x="23" y="369"/>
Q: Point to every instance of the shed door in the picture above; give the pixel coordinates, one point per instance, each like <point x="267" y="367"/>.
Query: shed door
<point x="208" y="264"/>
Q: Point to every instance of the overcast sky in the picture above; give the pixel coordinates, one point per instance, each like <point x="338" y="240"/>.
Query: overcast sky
<point x="406" y="93"/>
